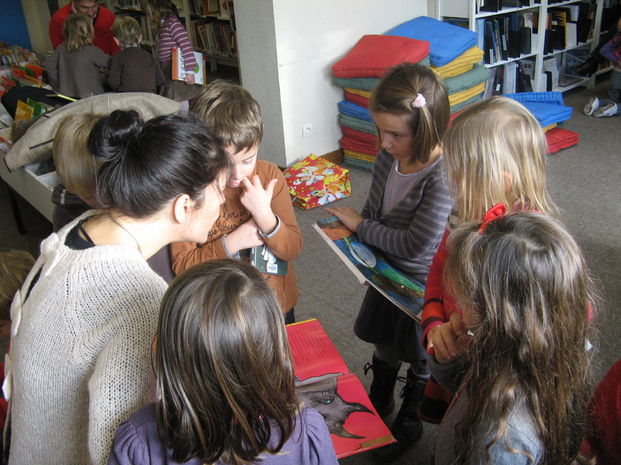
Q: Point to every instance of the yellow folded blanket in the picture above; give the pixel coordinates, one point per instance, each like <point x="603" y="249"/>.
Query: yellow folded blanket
<point x="464" y="95"/>
<point x="359" y="156"/>
<point x="459" y="65"/>
<point x="547" y="128"/>
<point x="362" y="93"/>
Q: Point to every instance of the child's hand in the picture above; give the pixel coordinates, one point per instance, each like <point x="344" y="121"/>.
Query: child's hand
<point x="446" y="340"/>
<point x="189" y="79"/>
<point x="245" y="236"/>
<point x="430" y="334"/>
<point x="258" y="202"/>
<point x="348" y="216"/>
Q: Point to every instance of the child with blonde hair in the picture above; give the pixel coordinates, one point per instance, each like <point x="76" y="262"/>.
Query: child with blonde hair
<point x="517" y="355"/>
<point x="404" y="216"/>
<point x="495" y="161"/>
<point x="133" y="69"/>
<point x="74" y="67"/>
<point x="225" y="381"/>
<point x="257" y="210"/>
<point x="76" y="167"/>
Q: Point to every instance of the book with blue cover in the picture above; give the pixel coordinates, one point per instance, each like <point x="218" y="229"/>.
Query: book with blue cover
<point x="370" y="265"/>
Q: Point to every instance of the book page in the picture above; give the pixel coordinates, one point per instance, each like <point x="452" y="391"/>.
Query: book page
<point x="371" y="265"/>
<point x="314" y="355"/>
<point x="353" y="423"/>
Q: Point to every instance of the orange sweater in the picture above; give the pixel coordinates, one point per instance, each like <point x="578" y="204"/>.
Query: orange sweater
<point x="285" y="243"/>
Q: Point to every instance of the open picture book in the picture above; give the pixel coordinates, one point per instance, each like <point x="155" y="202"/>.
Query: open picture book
<point x="324" y="383"/>
<point x="369" y="264"/>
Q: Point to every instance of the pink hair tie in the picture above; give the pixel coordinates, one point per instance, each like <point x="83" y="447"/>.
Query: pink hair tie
<point x="419" y="101"/>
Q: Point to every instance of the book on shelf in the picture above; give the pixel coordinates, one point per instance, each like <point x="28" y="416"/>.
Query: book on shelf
<point x="490" y="44"/>
<point x="178" y="68"/>
<point x="370" y="265"/>
<point x="513" y="49"/>
<point x="324" y="383"/>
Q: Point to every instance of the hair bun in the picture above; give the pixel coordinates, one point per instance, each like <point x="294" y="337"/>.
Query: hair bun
<point x="112" y="134"/>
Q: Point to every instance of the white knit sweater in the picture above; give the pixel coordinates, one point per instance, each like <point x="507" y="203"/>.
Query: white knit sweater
<point x="80" y="351"/>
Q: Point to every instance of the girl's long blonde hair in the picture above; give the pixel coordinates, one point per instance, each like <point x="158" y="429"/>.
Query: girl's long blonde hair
<point x="495" y="151"/>
<point x="530" y="295"/>
<point x="79" y="32"/>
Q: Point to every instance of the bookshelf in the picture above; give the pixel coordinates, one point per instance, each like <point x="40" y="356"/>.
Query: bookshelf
<point x="558" y="32"/>
<point x="212" y="30"/>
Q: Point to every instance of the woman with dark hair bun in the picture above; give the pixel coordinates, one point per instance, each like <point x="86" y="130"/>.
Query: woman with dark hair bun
<point x="85" y="319"/>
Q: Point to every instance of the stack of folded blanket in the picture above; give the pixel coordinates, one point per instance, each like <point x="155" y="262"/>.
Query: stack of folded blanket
<point x="550" y="110"/>
<point x="450" y="51"/>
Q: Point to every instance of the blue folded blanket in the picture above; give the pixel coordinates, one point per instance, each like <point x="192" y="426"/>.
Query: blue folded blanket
<point x="446" y="41"/>
<point x="547" y="107"/>
<point x="351" y="109"/>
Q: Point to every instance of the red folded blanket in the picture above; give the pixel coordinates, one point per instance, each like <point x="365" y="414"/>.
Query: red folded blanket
<point x="350" y="143"/>
<point x="365" y="137"/>
<point x="560" y="139"/>
<point x="373" y="55"/>
<point x="357" y="99"/>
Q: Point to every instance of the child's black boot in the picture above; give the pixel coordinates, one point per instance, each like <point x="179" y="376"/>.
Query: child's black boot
<point x="407" y="427"/>
<point x="383" y="386"/>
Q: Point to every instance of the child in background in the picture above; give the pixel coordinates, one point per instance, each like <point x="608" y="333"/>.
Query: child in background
<point x="225" y="379"/>
<point x="517" y="357"/>
<point x="405" y="215"/>
<point x="611" y="51"/>
<point x="76" y="168"/>
<point x="495" y="161"/>
<point x="163" y="16"/>
<point x="74" y="67"/>
<point x="257" y="209"/>
<point x="132" y="69"/>
<point x="14" y="267"/>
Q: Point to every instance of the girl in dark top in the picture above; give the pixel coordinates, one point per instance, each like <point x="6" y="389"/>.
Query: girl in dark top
<point x="225" y="379"/>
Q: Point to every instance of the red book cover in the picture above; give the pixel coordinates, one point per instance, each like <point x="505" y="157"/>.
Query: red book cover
<point x="324" y="383"/>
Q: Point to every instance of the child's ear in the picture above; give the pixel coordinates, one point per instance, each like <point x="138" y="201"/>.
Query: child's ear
<point x="182" y="208"/>
<point x="140" y="38"/>
<point x="117" y="41"/>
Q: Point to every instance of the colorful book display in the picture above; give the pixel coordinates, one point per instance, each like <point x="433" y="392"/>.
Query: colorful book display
<point x="324" y="383"/>
<point x="370" y="265"/>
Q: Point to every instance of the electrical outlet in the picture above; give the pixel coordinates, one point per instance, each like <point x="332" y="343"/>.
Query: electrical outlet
<point x="307" y="130"/>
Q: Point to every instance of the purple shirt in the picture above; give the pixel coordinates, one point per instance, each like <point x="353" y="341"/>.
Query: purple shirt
<point x="137" y="442"/>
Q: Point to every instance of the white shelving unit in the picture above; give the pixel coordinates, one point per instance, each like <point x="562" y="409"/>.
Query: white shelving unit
<point x="469" y="9"/>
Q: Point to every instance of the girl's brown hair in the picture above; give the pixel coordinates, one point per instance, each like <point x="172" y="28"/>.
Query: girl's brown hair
<point x="158" y="10"/>
<point x="396" y="92"/>
<point x="530" y="295"/>
<point x="224" y="369"/>
<point x="79" y="32"/>
<point x="495" y="151"/>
